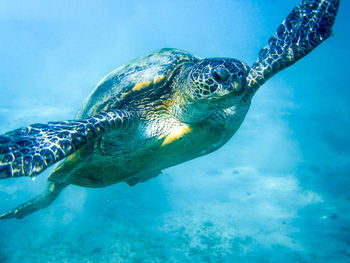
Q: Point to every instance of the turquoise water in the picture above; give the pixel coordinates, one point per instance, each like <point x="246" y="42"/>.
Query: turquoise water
<point x="278" y="191"/>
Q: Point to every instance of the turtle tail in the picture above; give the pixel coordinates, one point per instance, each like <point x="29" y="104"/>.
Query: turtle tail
<point x="50" y="193"/>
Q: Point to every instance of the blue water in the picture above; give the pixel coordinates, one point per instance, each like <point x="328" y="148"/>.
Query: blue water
<point x="278" y="191"/>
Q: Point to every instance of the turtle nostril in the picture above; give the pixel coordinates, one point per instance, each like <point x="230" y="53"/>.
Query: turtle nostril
<point x="220" y="74"/>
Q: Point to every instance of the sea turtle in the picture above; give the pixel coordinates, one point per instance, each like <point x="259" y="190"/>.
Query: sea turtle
<point x="157" y="111"/>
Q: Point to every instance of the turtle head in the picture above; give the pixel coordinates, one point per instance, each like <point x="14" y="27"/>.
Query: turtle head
<point x="210" y="85"/>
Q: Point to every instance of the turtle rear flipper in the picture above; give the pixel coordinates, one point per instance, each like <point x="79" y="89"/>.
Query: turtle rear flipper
<point x="309" y="24"/>
<point x="45" y="199"/>
<point x="30" y="150"/>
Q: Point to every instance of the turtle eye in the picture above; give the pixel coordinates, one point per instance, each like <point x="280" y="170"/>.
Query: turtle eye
<point x="240" y="74"/>
<point x="216" y="76"/>
<point x="220" y="74"/>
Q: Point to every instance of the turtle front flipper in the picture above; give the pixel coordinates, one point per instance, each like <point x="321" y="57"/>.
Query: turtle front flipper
<point x="30" y="150"/>
<point x="309" y="24"/>
<point x="44" y="200"/>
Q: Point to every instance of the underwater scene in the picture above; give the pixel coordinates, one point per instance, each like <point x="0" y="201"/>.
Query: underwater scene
<point x="277" y="191"/>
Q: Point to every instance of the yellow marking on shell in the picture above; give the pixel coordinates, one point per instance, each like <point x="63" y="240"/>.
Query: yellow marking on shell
<point x="157" y="80"/>
<point x="124" y="95"/>
<point x="140" y="85"/>
<point x="183" y="58"/>
<point x="176" y="134"/>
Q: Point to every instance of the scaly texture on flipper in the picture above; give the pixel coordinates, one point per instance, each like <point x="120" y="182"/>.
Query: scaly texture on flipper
<point x="44" y="200"/>
<point x="309" y="24"/>
<point x="30" y="150"/>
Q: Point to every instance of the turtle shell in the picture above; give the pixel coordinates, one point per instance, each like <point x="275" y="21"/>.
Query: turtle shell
<point x="135" y="79"/>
